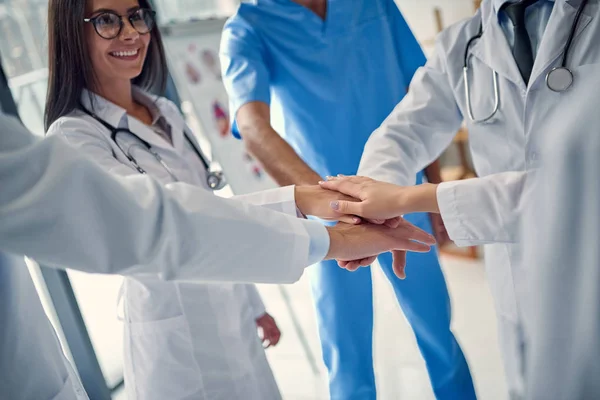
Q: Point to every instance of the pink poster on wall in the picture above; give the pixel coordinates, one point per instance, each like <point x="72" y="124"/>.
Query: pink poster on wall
<point x="192" y="52"/>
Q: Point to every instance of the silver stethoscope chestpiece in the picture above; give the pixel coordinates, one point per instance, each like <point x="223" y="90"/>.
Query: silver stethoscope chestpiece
<point x="216" y="180"/>
<point x="559" y="79"/>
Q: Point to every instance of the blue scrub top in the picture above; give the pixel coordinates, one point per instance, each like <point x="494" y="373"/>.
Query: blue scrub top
<point x="329" y="83"/>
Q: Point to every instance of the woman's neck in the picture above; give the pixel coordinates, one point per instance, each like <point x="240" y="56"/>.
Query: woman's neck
<point x="119" y="93"/>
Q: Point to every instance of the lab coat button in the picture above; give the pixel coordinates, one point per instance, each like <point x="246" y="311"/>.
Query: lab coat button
<point x="533" y="156"/>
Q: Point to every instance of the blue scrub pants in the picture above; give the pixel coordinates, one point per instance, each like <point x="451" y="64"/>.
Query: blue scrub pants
<point x="344" y="303"/>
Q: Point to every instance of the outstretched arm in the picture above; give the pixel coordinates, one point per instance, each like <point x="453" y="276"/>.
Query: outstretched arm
<point x="475" y="211"/>
<point x="64" y="211"/>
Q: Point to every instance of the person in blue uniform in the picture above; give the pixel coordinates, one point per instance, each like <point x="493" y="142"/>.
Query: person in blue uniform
<point x="308" y="82"/>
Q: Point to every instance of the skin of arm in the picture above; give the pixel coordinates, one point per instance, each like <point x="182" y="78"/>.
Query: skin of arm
<point x="478" y="211"/>
<point x="277" y="157"/>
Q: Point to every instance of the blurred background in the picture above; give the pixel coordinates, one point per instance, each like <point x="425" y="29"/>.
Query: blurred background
<point x="83" y="308"/>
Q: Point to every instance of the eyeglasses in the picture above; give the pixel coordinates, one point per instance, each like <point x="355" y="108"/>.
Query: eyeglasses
<point x="109" y="25"/>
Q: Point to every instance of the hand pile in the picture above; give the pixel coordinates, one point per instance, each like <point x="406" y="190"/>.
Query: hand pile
<point x="370" y="218"/>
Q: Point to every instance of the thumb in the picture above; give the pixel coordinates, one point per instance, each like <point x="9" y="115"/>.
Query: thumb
<point x="346" y="207"/>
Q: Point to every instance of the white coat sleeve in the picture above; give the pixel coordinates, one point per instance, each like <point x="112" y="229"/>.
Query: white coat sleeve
<point x="418" y="130"/>
<point x="87" y="139"/>
<point x="482" y="210"/>
<point x="255" y="301"/>
<point x="90" y="141"/>
<point x="63" y="210"/>
<point x="278" y="199"/>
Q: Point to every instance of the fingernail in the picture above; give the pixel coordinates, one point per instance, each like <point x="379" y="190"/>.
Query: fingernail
<point x="341" y="175"/>
<point x="321" y="182"/>
<point x="356" y="220"/>
<point x="335" y="205"/>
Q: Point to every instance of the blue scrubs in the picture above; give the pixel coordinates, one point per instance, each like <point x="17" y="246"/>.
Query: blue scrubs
<point x="329" y="84"/>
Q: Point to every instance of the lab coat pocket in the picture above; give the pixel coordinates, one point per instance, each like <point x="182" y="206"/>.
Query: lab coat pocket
<point x="160" y="361"/>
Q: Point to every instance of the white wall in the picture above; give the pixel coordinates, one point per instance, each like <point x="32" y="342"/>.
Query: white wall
<point x="420" y="17"/>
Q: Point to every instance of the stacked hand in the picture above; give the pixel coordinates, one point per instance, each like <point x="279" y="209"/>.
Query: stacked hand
<point x="380" y="204"/>
<point x="316" y="201"/>
<point x="379" y="200"/>
<point x="358" y="245"/>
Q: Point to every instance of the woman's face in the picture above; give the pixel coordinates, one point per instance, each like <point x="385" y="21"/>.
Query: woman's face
<point x="122" y="57"/>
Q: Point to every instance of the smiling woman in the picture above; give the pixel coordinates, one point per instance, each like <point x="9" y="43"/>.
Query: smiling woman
<point x="181" y="340"/>
<point x="81" y="35"/>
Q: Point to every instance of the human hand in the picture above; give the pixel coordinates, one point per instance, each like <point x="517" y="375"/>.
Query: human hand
<point x="379" y="200"/>
<point x="439" y="229"/>
<point x="316" y="201"/>
<point x="269" y="331"/>
<point x="398" y="264"/>
<point x="359" y="244"/>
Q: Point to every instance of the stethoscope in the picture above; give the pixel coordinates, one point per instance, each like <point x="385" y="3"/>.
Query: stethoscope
<point x="559" y="79"/>
<point x="214" y="179"/>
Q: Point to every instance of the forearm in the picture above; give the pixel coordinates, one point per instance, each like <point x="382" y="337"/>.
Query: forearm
<point x="278" y="158"/>
<point x="132" y="225"/>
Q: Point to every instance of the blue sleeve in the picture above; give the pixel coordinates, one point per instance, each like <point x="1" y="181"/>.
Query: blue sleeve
<point x="410" y="52"/>
<point x="245" y="74"/>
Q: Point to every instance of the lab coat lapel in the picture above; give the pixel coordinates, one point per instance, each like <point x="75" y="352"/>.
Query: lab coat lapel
<point x="557" y="32"/>
<point x="146" y="133"/>
<point x="492" y="48"/>
<point x="118" y="117"/>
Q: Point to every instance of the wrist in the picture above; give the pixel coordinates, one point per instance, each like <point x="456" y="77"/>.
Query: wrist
<point x="302" y="197"/>
<point x="422" y="198"/>
<point x="334" y="243"/>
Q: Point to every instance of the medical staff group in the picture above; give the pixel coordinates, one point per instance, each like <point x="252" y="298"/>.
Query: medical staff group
<point x="317" y="88"/>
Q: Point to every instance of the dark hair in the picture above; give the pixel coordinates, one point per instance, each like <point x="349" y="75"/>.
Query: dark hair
<point x="69" y="65"/>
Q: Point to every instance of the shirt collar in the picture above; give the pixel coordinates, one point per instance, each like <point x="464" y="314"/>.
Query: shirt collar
<point x="160" y="108"/>
<point x="114" y="114"/>
<point x="499" y="3"/>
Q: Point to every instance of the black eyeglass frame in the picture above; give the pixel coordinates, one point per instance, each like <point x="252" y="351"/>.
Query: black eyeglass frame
<point x="149" y="12"/>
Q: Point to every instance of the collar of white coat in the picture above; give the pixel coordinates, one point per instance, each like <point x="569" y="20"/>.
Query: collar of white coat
<point x="499" y="56"/>
<point x="499" y="3"/>
<point x="118" y="117"/>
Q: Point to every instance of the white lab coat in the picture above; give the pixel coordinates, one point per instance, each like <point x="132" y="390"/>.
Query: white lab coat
<point x="425" y="122"/>
<point x="63" y="210"/>
<point x="31" y="360"/>
<point x="182" y="340"/>
<point x="561" y="228"/>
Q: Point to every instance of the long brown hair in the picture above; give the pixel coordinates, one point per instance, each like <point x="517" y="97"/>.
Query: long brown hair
<point x="70" y="68"/>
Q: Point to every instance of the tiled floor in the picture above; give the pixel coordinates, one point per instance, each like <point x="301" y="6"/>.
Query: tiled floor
<point x="400" y="371"/>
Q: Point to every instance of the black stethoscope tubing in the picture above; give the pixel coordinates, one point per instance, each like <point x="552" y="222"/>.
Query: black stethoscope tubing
<point x="114" y="131"/>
